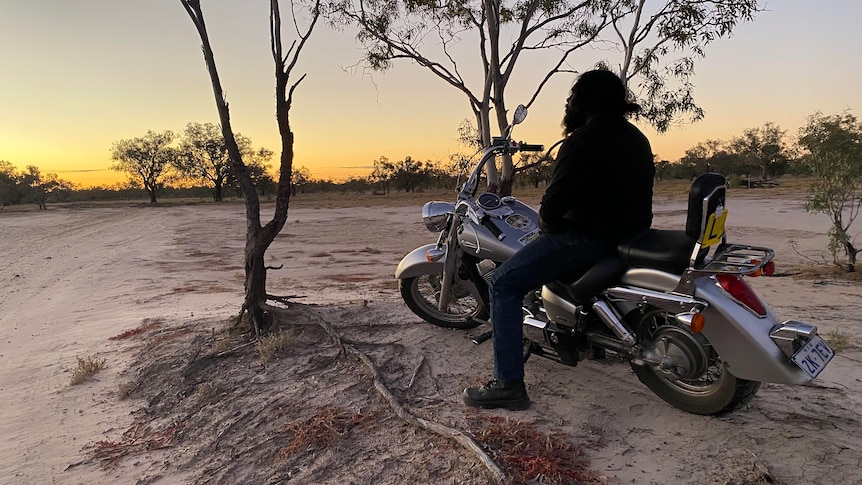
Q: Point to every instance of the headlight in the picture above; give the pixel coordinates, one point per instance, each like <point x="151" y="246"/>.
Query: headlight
<point x="435" y="213"/>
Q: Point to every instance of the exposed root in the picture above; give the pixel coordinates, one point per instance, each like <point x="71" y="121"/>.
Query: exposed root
<point x="284" y="300"/>
<point x="440" y="429"/>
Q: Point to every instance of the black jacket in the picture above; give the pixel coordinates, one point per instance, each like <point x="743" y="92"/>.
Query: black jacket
<point x="602" y="183"/>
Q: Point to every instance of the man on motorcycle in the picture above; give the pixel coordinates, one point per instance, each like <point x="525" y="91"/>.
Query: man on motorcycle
<point x="600" y="195"/>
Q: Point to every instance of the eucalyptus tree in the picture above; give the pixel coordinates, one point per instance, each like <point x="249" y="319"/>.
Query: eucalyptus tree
<point x="203" y="155"/>
<point x="834" y="152"/>
<point x="146" y="159"/>
<point x="656" y="43"/>
<point x="259" y="236"/>
<point x="763" y="149"/>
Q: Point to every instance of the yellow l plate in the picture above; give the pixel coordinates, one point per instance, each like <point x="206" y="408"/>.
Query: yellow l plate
<point x="714" y="229"/>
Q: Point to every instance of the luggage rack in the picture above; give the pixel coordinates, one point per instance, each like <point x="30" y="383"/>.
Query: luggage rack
<point x="738" y="259"/>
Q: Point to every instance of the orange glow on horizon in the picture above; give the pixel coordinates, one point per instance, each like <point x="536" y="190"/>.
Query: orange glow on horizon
<point x="323" y="165"/>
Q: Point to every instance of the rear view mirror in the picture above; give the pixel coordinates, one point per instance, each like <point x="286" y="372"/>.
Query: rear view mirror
<point x="520" y="114"/>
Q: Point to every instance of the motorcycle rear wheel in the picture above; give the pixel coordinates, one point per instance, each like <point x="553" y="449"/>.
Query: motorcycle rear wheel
<point x="421" y="294"/>
<point x="714" y="391"/>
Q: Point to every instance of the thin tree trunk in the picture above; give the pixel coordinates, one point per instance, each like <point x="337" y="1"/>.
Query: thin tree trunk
<point x="851" y="256"/>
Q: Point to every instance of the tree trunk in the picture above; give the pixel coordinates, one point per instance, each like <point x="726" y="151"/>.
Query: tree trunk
<point x="851" y="256"/>
<point x="258" y="237"/>
<point x="255" y="280"/>
<point x="217" y="195"/>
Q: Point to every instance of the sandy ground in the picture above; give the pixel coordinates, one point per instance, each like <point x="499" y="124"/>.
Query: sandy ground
<point x="72" y="278"/>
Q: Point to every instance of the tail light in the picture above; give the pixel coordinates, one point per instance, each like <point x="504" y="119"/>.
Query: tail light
<point x="734" y="285"/>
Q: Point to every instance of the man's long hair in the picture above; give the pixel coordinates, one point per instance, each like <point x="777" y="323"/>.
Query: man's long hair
<point x="597" y="92"/>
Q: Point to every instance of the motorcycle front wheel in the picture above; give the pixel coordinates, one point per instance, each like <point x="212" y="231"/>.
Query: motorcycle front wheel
<point x="710" y="389"/>
<point x="421" y="294"/>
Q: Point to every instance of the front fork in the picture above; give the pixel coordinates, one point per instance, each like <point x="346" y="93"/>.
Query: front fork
<point x="450" y="265"/>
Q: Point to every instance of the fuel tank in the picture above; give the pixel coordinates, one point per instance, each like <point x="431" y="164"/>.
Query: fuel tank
<point x="517" y="223"/>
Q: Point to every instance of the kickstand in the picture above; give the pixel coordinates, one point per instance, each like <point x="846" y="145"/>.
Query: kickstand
<point x="528" y="349"/>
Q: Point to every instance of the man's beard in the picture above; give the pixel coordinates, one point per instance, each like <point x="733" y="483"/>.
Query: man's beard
<point x="573" y="120"/>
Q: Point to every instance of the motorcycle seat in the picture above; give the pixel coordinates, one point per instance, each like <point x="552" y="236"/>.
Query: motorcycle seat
<point x="661" y="249"/>
<point x="597" y="278"/>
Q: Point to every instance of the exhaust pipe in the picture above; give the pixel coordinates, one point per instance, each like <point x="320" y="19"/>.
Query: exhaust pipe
<point x="609" y="316"/>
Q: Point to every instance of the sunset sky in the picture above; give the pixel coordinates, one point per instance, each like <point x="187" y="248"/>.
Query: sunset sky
<point x="76" y="76"/>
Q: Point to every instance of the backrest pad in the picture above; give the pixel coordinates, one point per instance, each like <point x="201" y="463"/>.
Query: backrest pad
<point x="709" y="185"/>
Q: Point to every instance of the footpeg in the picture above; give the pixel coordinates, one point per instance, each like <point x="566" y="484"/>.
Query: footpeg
<point x="481" y="338"/>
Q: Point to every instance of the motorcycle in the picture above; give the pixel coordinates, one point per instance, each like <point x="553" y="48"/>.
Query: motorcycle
<point x="674" y="303"/>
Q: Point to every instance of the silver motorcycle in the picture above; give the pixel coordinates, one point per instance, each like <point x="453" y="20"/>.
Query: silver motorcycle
<point x="674" y="303"/>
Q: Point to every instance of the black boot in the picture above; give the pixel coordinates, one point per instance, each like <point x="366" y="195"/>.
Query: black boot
<point x="498" y="393"/>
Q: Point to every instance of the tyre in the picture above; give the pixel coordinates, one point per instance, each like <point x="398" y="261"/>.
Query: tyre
<point x="705" y="385"/>
<point x="421" y="294"/>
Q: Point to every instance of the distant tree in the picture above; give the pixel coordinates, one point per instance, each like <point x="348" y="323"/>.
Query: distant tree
<point x="31" y="186"/>
<point x="702" y="157"/>
<point x="300" y="178"/>
<point x="834" y="152"/>
<point x="203" y="156"/>
<point x="383" y="174"/>
<point x="146" y="159"/>
<point x="258" y="236"/>
<point x="763" y="150"/>
<point x="38" y="187"/>
<point x="257" y="163"/>
<point x="410" y="174"/>
<point x="503" y="33"/>
<point x="537" y="168"/>
<point x="9" y="184"/>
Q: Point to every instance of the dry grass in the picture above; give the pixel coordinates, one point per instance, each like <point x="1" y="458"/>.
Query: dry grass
<point x="204" y="393"/>
<point x="322" y="430"/>
<point x="125" y="389"/>
<point x="86" y="369"/>
<point x="138" y="438"/>
<point x="838" y="340"/>
<point x="531" y="456"/>
<point x="270" y="346"/>
<point x="143" y="328"/>
<point x="828" y="272"/>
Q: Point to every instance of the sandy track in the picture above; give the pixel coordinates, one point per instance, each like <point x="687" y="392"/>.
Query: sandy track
<point x="72" y="278"/>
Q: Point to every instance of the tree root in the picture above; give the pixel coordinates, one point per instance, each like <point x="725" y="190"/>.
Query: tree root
<point x="440" y="429"/>
<point x="286" y="300"/>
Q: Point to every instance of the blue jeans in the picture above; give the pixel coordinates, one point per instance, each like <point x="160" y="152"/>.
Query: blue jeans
<point x="550" y="257"/>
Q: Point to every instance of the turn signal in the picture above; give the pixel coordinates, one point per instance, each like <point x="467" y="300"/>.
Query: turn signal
<point x="758" y="271"/>
<point x="434" y="255"/>
<point x="697" y="322"/>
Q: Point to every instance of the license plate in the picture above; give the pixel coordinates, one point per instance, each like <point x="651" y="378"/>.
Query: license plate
<point x="813" y="356"/>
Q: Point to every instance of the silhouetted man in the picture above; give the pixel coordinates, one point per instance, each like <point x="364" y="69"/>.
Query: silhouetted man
<point x="600" y="195"/>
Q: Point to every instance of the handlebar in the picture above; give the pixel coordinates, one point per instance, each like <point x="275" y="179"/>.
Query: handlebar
<point x="524" y="147"/>
<point x="489" y="224"/>
<point x="498" y="146"/>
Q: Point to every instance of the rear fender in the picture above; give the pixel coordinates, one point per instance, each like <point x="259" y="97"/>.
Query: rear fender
<point x="416" y="264"/>
<point x="740" y="338"/>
